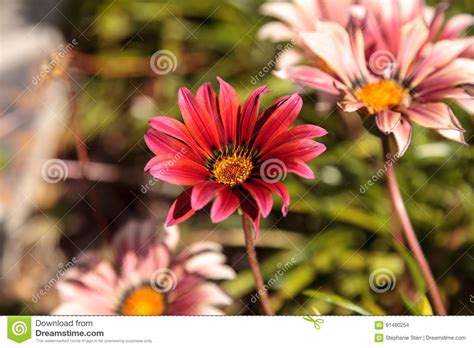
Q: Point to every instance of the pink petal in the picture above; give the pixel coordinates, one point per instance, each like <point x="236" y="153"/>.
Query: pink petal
<point x="168" y="148"/>
<point x="331" y="43"/>
<point x="350" y="106"/>
<point x="173" y="128"/>
<point x="203" y="193"/>
<point x="180" y="209"/>
<point x="262" y="195"/>
<point x="183" y="172"/>
<point x="196" y="119"/>
<point x="311" y="77"/>
<point x="249" y="114"/>
<point x="275" y="31"/>
<point x="452" y="135"/>
<point x="301" y="149"/>
<point x="224" y="205"/>
<point x="228" y="105"/>
<point x="442" y="53"/>
<point x="280" y="120"/>
<point x="280" y="190"/>
<point x="300" y="168"/>
<point x="433" y="115"/>
<point x="135" y="237"/>
<point x="208" y="100"/>
<point x="460" y="71"/>
<point x="412" y="37"/>
<point x="387" y="120"/>
<point x="456" y="25"/>
<point x="437" y="20"/>
<point x="402" y="135"/>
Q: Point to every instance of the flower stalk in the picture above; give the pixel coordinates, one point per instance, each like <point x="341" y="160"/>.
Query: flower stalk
<point x="254" y="266"/>
<point x="409" y="233"/>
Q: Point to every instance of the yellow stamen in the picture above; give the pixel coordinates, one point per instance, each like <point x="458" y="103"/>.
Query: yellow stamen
<point x="381" y="95"/>
<point x="143" y="301"/>
<point x="234" y="168"/>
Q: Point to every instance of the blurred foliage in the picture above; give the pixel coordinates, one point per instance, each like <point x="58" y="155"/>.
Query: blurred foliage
<point x="343" y="234"/>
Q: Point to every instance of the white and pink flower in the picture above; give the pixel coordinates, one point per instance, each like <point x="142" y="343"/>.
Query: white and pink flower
<point x="147" y="277"/>
<point x="415" y="76"/>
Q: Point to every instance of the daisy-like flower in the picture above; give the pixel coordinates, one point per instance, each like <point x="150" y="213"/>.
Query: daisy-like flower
<point x="229" y="151"/>
<point x="410" y="89"/>
<point x="147" y="278"/>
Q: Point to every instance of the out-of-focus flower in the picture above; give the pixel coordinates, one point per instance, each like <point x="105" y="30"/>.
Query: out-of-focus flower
<point x="228" y="150"/>
<point x="392" y="87"/>
<point x="382" y="24"/>
<point x="381" y="20"/>
<point x="147" y="278"/>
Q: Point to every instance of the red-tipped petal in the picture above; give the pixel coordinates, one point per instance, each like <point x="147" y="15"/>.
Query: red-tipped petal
<point x="280" y="190"/>
<point x="229" y="106"/>
<point x="180" y="209"/>
<point x="207" y="98"/>
<point x="203" y="193"/>
<point x="167" y="147"/>
<point x="195" y="119"/>
<point x="300" y="168"/>
<point x="175" y="129"/>
<point x="224" y="205"/>
<point x="249" y="114"/>
<point x="182" y="172"/>
<point x="262" y="195"/>
<point x="280" y="120"/>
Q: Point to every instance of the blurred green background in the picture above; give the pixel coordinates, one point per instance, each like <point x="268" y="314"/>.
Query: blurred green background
<point x="334" y="237"/>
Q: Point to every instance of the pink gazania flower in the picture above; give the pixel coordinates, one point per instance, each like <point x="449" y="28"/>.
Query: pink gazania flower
<point x="229" y="151"/>
<point x="381" y="20"/>
<point x="147" y="278"/>
<point x="410" y="89"/>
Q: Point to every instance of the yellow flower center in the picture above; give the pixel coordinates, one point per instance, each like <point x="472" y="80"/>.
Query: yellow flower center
<point x="143" y="301"/>
<point x="232" y="167"/>
<point x="381" y="95"/>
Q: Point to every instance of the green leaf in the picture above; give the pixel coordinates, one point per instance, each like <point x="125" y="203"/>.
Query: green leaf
<point x="413" y="267"/>
<point x="421" y="307"/>
<point x="336" y="300"/>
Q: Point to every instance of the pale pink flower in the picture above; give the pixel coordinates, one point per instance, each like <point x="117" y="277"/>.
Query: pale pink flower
<point x="410" y="88"/>
<point x="148" y="277"/>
